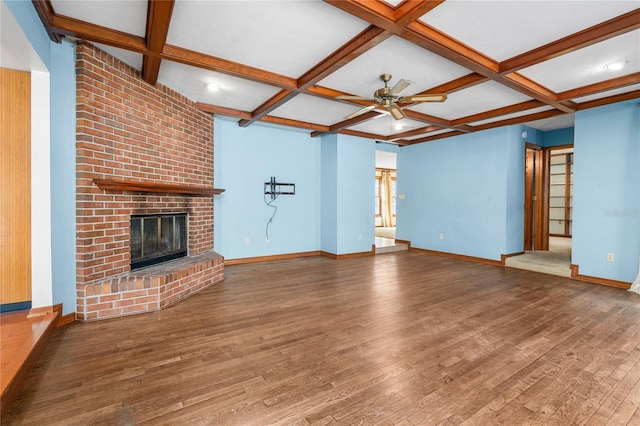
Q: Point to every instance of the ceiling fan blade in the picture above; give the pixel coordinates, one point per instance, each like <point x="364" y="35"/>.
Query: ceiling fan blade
<point x="353" y="97"/>
<point x="400" y="86"/>
<point x="431" y="97"/>
<point x="396" y="112"/>
<point x="361" y="111"/>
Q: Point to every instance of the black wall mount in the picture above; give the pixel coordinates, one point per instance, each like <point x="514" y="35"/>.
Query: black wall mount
<point x="275" y="188"/>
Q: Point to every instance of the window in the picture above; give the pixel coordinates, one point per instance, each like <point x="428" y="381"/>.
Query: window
<point x="379" y="188"/>
<point x="377" y="195"/>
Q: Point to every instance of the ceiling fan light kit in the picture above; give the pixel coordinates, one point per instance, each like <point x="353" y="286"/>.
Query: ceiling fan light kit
<point x="388" y="98"/>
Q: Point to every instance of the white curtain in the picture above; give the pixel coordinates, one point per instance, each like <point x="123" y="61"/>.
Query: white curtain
<point x="635" y="287"/>
<point x="386" y="198"/>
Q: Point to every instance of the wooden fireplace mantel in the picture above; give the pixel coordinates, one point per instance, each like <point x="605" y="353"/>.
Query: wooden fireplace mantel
<point x="132" y="185"/>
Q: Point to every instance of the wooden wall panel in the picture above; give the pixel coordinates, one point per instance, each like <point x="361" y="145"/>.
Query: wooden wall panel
<point x="15" y="186"/>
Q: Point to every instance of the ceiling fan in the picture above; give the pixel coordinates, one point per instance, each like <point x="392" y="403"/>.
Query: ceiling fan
<point x="388" y="98"/>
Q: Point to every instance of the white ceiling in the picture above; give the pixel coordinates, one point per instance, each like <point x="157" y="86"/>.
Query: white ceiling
<point x="263" y="41"/>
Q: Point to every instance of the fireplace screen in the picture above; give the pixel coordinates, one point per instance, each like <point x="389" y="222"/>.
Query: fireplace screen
<point x="157" y="238"/>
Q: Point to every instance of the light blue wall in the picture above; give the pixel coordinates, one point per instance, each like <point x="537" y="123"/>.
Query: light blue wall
<point x="333" y="207"/>
<point x="468" y="188"/>
<point x="60" y="61"/>
<point x="514" y="174"/>
<point x="388" y="147"/>
<point x="606" y="214"/>
<point x="533" y="136"/>
<point x="63" y="174"/>
<point x="245" y="158"/>
<point x="558" y="137"/>
<point x="355" y="194"/>
<point x="329" y="196"/>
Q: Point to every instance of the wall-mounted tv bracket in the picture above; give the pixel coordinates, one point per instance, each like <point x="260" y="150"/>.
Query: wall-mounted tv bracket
<point x="274" y="188"/>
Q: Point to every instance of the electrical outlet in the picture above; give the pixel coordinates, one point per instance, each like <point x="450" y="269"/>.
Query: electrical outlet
<point x="611" y="257"/>
<point x="441" y="236"/>
<point x="246" y="240"/>
<point x="359" y="236"/>
<point x="400" y="196"/>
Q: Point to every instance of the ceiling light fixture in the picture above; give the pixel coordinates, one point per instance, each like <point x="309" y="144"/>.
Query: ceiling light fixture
<point x="212" y="87"/>
<point x="615" y="66"/>
<point x="397" y="125"/>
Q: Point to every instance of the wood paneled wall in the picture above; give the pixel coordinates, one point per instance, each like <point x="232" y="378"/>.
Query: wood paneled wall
<point x="15" y="186"/>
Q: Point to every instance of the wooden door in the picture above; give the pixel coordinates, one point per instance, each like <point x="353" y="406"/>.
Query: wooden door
<point x="536" y="226"/>
<point x="15" y="188"/>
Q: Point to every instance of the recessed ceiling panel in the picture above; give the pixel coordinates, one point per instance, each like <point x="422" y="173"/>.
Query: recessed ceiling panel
<point x="233" y="92"/>
<point x="385" y="125"/>
<point x="588" y="65"/>
<point x="285" y="37"/>
<point x="478" y="98"/>
<point x="128" y="57"/>
<point x="128" y="16"/>
<point x="401" y="59"/>
<point x="315" y="110"/>
<point x="504" y="29"/>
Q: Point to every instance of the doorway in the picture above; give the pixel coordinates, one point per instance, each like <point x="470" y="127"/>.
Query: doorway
<point x="385" y="203"/>
<point x="560" y="199"/>
<point x="547" y="211"/>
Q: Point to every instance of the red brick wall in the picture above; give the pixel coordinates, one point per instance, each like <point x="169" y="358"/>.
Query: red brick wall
<point x="128" y="129"/>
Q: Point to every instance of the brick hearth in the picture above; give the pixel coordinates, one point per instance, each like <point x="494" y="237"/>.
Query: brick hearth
<point x="130" y="130"/>
<point x="151" y="288"/>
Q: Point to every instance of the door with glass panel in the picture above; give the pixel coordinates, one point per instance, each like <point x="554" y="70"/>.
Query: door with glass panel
<point x="561" y="192"/>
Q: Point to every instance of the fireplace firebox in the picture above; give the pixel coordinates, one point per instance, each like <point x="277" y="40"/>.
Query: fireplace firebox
<point x="157" y="238"/>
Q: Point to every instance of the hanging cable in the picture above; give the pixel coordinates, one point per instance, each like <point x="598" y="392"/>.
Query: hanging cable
<point x="275" y="210"/>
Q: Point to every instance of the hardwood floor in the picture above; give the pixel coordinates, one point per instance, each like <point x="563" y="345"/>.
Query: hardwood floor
<point x="405" y="338"/>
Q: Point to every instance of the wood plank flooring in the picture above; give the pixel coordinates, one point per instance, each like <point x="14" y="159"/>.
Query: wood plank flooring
<point x="405" y="338"/>
<point x="23" y="337"/>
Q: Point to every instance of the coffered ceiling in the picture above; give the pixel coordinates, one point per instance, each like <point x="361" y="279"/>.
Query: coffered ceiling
<point x="285" y="62"/>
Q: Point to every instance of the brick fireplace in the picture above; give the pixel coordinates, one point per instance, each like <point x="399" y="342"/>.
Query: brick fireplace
<point x="140" y="150"/>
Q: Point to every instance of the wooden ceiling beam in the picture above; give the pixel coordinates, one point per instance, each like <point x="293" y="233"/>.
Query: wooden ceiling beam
<point x="361" y="43"/>
<point x="63" y="25"/>
<point x="272" y="103"/>
<point x="382" y="15"/>
<point x="370" y="37"/>
<point x="530" y="88"/>
<point x="158" y="21"/>
<point x="609" y="100"/>
<point x="44" y="9"/>
<point x="523" y="106"/>
<point x="461" y="83"/>
<point x="415" y="132"/>
<point x="431" y="138"/>
<point x="411" y="10"/>
<point x="603" y="86"/>
<point x="201" y="60"/>
<point x="347" y="123"/>
<point x="614" y="27"/>
<point x="521" y="119"/>
<point x="215" y="109"/>
<point x="441" y="44"/>
<point x="295" y="123"/>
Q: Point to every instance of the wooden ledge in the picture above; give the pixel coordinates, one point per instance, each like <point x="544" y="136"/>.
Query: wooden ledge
<point x="132" y="185"/>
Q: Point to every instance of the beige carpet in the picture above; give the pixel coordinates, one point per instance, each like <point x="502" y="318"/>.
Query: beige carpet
<point x="381" y="231"/>
<point x="556" y="261"/>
